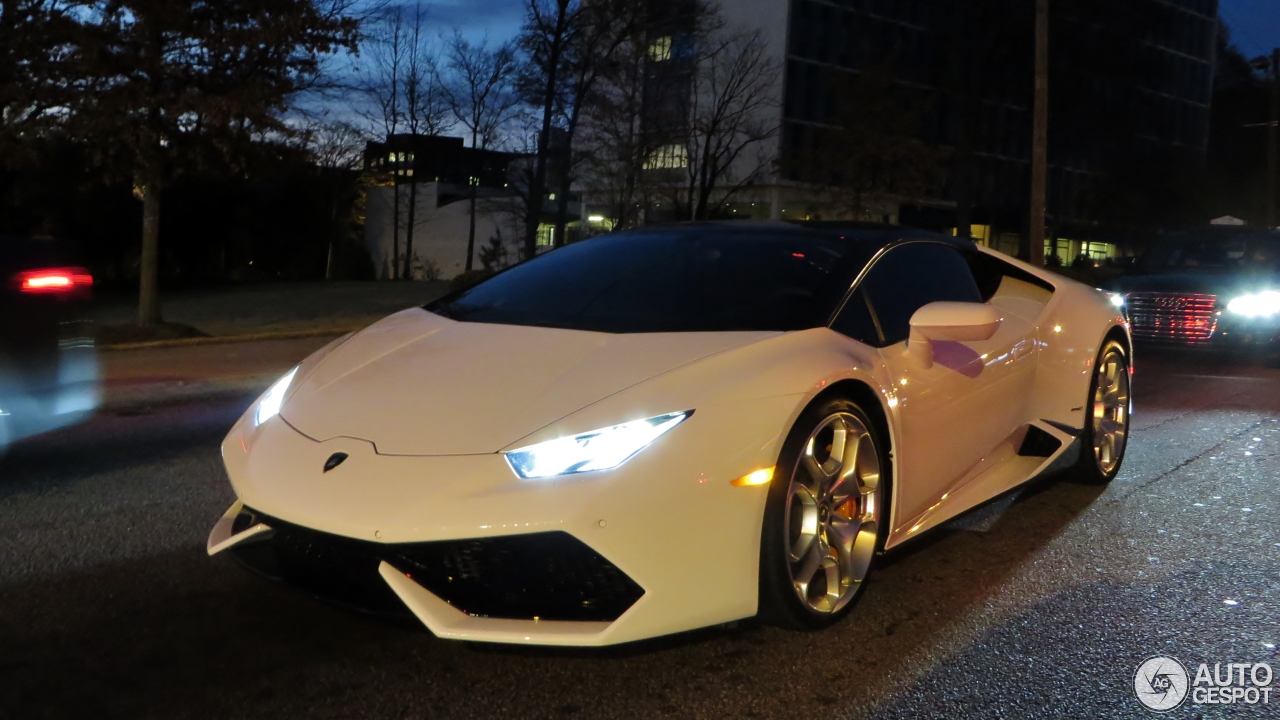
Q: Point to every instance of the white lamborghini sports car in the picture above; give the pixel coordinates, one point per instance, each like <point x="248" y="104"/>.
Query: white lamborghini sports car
<point x="665" y="429"/>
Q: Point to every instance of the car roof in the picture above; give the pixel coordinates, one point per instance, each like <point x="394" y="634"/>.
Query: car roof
<point x="872" y="236"/>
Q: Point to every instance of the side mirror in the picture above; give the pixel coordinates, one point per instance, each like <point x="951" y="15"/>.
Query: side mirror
<point x="949" y="321"/>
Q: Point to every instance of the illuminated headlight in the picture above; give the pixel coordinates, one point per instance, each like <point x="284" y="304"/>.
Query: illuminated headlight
<point x="269" y="405"/>
<point x="1116" y="299"/>
<point x="602" y="449"/>
<point x="1263" y="304"/>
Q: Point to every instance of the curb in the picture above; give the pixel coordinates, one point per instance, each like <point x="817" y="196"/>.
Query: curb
<point x="223" y="339"/>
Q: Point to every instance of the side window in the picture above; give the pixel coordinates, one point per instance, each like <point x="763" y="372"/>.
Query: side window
<point x="855" y="321"/>
<point x="911" y="276"/>
<point x="994" y="276"/>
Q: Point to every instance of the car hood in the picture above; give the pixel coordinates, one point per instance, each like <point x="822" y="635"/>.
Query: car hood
<point x="420" y="384"/>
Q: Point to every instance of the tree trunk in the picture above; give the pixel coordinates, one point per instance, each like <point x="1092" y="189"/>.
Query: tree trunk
<point x="395" y="231"/>
<point x="149" y="277"/>
<point x="408" y="233"/>
<point x="562" y="211"/>
<point x="537" y="188"/>
<point x="471" y="232"/>
<point x="333" y="231"/>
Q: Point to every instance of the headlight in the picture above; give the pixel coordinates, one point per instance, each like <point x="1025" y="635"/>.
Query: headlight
<point x="1263" y="304"/>
<point x="1116" y="299"/>
<point x="596" y="450"/>
<point x="269" y="405"/>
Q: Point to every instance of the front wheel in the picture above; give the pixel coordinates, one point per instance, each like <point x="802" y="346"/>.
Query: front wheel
<point x="1106" y="429"/>
<point x="825" y="516"/>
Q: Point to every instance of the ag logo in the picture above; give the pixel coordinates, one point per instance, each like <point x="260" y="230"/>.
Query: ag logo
<point x="334" y="461"/>
<point x="1161" y="683"/>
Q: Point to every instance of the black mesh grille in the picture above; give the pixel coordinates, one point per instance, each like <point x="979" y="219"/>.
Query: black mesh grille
<point x="550" y="575"/>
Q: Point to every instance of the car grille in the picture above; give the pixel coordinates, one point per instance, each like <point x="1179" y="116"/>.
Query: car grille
<point x="1185" y="319"/>
<point x="549" y="575"/>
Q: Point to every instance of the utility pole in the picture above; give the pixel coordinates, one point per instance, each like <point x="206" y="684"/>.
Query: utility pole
<point x="1273" y="138"/>
<point x="1040" y="139"/>
<point x="1271" y="65"/>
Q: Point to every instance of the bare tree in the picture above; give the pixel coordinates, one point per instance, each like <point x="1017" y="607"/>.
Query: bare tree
<point x="381" y="85"/>
<point x="426" y="111"/>
<point x="613" y="146"/>
<point x="550" y="27"/>
<point x="732" y="112"/>
<point x="402" y="94"/>
<point x="334" y="145"/>
<point x="604" y="29"/>
<point x="336" y="151"/>
<point x="479" y="88"/>
<point x="639" y="115"/>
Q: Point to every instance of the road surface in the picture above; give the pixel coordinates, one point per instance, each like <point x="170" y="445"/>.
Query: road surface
<point x="1041" y="605"/>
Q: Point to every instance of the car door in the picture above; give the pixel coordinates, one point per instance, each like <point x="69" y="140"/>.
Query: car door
<point x="953" y="415"/>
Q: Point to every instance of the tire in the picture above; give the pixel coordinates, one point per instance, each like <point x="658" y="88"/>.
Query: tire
<point x="821" y="534"/>
<point x="1106" y="427"/>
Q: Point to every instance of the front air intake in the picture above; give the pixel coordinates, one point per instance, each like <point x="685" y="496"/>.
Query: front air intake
<point x="549" y="575"/>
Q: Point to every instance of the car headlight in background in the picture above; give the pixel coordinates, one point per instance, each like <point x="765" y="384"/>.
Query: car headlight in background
<point x="1117" y="299"/>
<point x="1254" y="305"/>
<point x="269" y="405"/>
<point x="601" y="449"/>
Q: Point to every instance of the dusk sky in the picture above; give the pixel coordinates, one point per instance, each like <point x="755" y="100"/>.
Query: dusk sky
<point x="1255" y="24"/>
<point x="499" y="19"/>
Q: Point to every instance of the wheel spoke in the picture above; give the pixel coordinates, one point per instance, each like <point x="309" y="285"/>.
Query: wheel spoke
<point x="809" y="567"/>
<point x="813" y="470"/>
<point x="802" y="521"/>
<point x="846" y="482"/>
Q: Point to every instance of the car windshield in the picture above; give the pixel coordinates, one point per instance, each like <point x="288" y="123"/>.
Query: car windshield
<point x="1214" y="251"/>
<point x="673" y="281"/>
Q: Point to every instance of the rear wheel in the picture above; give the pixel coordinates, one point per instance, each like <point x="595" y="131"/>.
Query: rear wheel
<point x="825" y="516"/>
<point x="1106" y="429"/>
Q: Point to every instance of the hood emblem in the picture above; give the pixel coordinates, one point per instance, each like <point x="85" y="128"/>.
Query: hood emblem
<point x="334" y="461"/>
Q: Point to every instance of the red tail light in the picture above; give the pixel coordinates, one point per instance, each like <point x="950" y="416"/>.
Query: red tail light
<point x="54" y="280"/>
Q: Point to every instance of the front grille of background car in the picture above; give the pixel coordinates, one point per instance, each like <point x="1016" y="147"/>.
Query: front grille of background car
<point x="1184" y="319"/>
<point x="549" y="575"/>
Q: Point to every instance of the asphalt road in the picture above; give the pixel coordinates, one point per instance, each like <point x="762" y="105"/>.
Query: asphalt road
<point x="1042" y="605"/>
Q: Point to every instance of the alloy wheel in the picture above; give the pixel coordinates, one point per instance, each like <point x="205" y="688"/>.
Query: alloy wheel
<point x="833" y="513"/>
<point x="1111" y="411"/>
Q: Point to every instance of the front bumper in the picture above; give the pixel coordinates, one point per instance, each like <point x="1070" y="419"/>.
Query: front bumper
<point x="548" y="576"/>
<point x="660" y="545"/>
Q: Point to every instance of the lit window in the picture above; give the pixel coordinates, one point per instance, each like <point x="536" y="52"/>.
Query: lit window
<point x="546" y="235"/>
<point x="667" y="157"/>
<point x="660" y="49"/>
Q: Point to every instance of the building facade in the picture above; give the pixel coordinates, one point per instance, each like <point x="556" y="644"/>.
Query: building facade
<point x="1127" y="75"/>
<point x="419" y="194"/>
